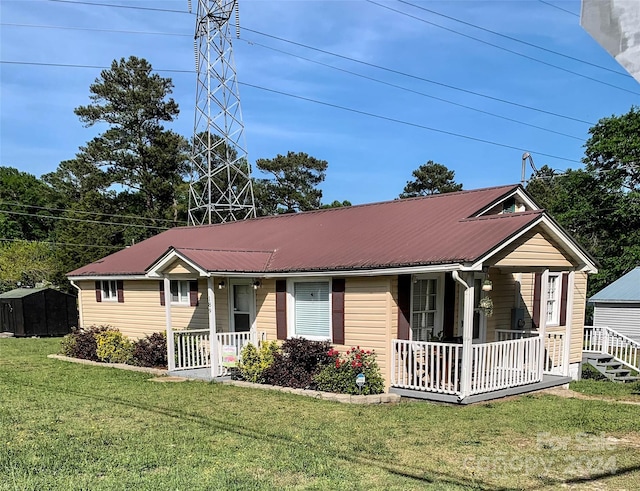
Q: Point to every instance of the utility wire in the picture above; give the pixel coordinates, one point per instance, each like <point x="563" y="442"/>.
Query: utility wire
<point x="416" y="77"/>
<point x="447" y="101"/>
<point x="408" y="123"/>
<point x="11" y="203"/>
<point x="5" y="239"/>
<point x="20" y="213"/>
<point x="517" y="53"/>
<point x="328" y="104"/>
<point x="71" y="65"/>
<point x="559" y="8"/>
<point x="123" y="6"/>
<point x="93" y="29"/>
<point x="526" y="43"/>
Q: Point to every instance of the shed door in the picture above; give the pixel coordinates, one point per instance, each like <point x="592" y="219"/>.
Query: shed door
<point x="7" y="317"/>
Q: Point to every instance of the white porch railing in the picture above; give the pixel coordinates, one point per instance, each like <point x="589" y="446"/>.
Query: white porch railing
<point x="431" y="367"/>
<point x="509" y="334"/>
<point x="554" y="362"/>
<point x="505" y="364"/>
<point x="193" y="347"/>
<point x="607" y="341"/>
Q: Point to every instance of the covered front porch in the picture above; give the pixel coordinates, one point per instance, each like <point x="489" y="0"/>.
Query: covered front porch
<point x="520" y="344"/>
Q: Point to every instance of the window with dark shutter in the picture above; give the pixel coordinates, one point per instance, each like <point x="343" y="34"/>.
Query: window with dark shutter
<point x="281" y="309"/>
<point x="162" y="297"/>
<point x="337" y="310"/>
<point x="120" y="289"/>
<point x="193" y="293"/>
<point x="537" y="295"/>
<point x="404" y="306"/>
<point x="98" y="291"/>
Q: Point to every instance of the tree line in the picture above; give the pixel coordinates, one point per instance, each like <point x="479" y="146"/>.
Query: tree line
<point x="132" y="181"/>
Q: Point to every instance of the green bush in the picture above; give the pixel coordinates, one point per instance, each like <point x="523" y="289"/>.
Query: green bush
<point x="81" y="343"/>
<point x="298" y="361"/>
<point x="340" y="376"/>
<point x="254" y="361"/>
<point x="151" y="351"/>
<point x="113" y="347"/>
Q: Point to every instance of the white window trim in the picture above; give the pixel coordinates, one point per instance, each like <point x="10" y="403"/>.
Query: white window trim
<point x="439" y="317"/>
<point x="555" y="311"/>
<point x="180" y="302"/>
<point x="291" y="307"/>
<point x="105" y="290"/>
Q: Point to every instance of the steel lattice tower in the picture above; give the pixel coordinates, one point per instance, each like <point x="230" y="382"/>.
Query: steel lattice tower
<point x="221" y="188"/>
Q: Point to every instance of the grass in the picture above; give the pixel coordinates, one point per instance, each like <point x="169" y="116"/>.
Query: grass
<point x="68" y="426"/>
<point x="595" y="384"/>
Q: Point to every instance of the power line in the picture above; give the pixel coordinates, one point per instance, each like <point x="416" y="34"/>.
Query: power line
<point x="122" y="6"/>
<point x="93" y="29"/>
<point x="328" y="104"/>
<point x="447" y="101"/>
<point x="517" y="53"/>
<point x="559" y="8"/>
<point x="9" y="212"/>
<point x="526" y="43"/>
<point x="407" y="123"/>
<point x="5" y="239"/>
<point x="72" y="65"/>
<point x="417" y="77"/>
<point x="12" y="203"/>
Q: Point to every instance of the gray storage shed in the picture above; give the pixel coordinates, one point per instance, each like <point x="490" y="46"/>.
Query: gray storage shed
<point x="37" y="312"/>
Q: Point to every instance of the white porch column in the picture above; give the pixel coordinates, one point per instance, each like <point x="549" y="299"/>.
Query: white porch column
<point x="542" y="328"/>
<point x="171" y="349"/>
<point x="467" y="335"/>
<point x="213" y="339"/>
<point x="568" y="324"/>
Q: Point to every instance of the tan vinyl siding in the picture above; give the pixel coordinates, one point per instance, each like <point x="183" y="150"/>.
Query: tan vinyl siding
<point x="577" y="319"/>
<point x="178" y="267"/>
<point x="266" y="309"/>
<point x="533" y="250"/>
<point x="367" y="312"/>
<point x="221" y="296"/>
<point x="503" y="294"/>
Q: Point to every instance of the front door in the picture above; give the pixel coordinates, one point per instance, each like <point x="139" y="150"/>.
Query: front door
<point x="242" y="307"/>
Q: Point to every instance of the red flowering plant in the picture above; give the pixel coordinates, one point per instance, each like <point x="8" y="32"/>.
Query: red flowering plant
<point x="340" y="375"/>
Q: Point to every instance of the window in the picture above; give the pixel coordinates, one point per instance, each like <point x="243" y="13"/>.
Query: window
<point x="180" y="292"/>
<point x="311" y="310"/>
<point x="426" y="308"/>
<point x="109" y="290"/>
<point x="553" y="298"/>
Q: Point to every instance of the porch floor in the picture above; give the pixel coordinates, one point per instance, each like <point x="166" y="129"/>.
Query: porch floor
<point x="195" y="374"/>
<point x="547" y="381"/>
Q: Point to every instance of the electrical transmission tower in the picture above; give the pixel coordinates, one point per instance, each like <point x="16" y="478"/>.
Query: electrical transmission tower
<point x="221" y="188"/>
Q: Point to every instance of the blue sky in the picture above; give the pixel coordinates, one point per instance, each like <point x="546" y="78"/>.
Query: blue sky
<point x="370" y="159"/>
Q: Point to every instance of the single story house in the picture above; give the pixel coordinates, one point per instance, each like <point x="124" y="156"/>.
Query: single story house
<point x="412" y="279"/>
<point x="617" y="306"/>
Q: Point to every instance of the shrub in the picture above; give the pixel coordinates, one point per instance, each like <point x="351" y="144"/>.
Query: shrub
<point x="254" y="361"/>
<point x="297" y="363"/>
<point x="340" y="375"/>
<point x="81" y="343"/>
<point x="113" y="347"/>
<point x="151" y="351"/>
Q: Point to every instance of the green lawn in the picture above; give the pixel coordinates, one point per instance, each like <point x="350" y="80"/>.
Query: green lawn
<point x="68" y="426"/>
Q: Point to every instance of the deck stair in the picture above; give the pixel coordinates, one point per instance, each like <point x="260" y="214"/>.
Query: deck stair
<point x="609" y="367"/>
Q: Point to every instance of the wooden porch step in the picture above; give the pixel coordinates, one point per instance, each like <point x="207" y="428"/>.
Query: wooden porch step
<point x="627" y="379"/>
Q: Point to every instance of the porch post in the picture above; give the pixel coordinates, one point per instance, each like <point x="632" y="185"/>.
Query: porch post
<point x="568" y="324"/>
<point x="213" y="339"/>
<point x="467" y="337"/>
<point x="542" y="329"/>
<point x="171" y="349"/>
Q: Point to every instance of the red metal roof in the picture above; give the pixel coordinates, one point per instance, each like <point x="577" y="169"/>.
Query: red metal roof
<point x="436" y="229"/>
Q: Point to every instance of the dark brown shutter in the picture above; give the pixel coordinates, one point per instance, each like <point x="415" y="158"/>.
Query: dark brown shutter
<point x="449" y="306"/>
<point x="193" y="293"/>
<point x="161" y="284"/>
<point x="281" y="309"/>
<point x="120" y="288"/>
<point x="337" y="310"/>
<point x="537" y="289"/>
<point x="563" y="299"/>
<point x="98" y="291"/>
<point x="404" y="306"/>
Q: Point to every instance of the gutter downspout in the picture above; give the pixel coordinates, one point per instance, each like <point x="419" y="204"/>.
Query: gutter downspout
<point x="467" y="333"/>
<point x="79" y="303"/>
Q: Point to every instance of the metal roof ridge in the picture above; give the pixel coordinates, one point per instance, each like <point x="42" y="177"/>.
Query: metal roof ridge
<point x="503" y="215"/>
<point x="264" y="251"/>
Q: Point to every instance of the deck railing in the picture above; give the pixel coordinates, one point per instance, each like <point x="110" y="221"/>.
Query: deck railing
<point x="607" y="341"/>
<point x="504" y="364"/>
<point x="193" y="348"/>
<point x="554" y="355"/>
<point x="427" y="366"/>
